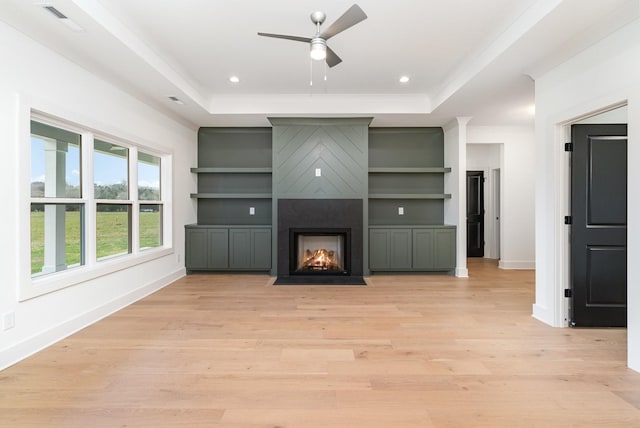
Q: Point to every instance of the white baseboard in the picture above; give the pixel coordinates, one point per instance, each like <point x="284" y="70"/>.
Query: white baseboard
<point x="516" y="264"/>
<point x="543" y="315"/>
<point x="48" y="337"/>
<point x="462" y="272"/>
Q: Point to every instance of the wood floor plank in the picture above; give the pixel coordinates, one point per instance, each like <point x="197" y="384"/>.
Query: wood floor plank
<point x="404" y="351"/>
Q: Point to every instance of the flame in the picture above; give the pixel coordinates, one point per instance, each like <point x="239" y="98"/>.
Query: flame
<point x="320" y="259"/>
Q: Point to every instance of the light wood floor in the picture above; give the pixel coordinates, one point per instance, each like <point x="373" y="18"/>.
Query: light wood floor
<point x="405" y="351"/>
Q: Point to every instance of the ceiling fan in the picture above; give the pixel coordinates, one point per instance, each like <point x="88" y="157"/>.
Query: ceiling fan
<point x="318" y="43"/>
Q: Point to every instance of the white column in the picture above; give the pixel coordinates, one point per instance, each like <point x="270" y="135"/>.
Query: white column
<point x="455" y="209"/>
<point x="54" y="215"/>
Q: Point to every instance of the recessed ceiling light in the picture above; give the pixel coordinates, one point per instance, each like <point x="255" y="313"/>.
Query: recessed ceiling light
<point x="404" y="79"/>
<point x="176" y="100"/>
<point x="234" y="79"/>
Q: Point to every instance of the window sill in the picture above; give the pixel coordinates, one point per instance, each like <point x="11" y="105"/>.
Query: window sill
<point x="37" y="286"/>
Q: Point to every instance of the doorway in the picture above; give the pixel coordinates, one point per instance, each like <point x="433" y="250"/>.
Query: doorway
<point x="475" y="213"/>
<point x="598" y="242"/>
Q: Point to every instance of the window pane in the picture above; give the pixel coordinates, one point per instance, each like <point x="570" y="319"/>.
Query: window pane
<point x="110" y="171"/>
<point x="113" y="230"/>
<point x="55" y="162"/>
<point x="56" y="237"/>
<point x="148" y="177"/>
<point x="150" y="226"/>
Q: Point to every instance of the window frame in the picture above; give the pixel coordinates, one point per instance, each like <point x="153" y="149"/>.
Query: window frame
<point x="33" y="286"/>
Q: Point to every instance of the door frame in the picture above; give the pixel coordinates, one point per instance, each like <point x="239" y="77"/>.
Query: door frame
<point x="496" y="212"/>
<point x="563" y="207"/>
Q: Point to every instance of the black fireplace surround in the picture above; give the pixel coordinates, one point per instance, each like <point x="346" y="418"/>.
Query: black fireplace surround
<point x="320" y="216"/>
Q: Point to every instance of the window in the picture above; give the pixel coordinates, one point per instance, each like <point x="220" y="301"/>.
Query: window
<point x="110" y="171"/>
<point x="94" y="201"/>
<point x="150" y="217"/>
<point x="111" y="189"/>
<point x="57" y="220"/>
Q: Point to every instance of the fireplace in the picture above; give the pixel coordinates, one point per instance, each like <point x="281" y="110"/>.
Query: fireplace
<point x="320" y="241"/>
<point x="319" y="251"/>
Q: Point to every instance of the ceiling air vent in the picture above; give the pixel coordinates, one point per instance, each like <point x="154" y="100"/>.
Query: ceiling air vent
<point x="56" y="12"/>
<point x="63" y="18"/>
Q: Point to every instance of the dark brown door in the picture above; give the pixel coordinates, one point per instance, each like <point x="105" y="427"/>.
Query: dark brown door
<point x="599" y="225"/>
<point x="475" y="214"/>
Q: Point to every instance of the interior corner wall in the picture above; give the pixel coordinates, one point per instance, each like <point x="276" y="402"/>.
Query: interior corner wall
<point x="517" y="247"/>
<point x="37" y="73"/>
<point x="605" y="74"/>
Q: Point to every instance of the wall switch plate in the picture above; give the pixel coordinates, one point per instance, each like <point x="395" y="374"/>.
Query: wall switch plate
<point x="400" y="210"/>
<point x="252" y="211"/>
<point x="9" y="320"/>
<point x="318" y="172"/>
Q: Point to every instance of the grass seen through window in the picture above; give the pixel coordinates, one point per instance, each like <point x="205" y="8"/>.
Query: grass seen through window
<point x="111" y="241"/>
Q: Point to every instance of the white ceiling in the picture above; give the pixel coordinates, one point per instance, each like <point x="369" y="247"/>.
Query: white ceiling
<point x="472" y="58"/>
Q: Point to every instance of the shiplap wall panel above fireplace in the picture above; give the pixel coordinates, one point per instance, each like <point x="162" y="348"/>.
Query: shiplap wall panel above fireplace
<point x="337" y="147"/>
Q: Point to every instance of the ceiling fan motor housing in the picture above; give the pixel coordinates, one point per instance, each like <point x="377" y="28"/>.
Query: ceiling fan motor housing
<point x="318" y="17"/>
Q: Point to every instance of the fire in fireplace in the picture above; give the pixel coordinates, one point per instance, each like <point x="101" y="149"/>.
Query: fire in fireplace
<point x="320" y="252"/>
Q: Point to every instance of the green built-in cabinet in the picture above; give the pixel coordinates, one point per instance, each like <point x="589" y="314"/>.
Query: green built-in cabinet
<point x="406" y="201"/>
<point x="419" y="248"/>
<point x="400" y="172"/>
<point x="227" y="248"/>
<point x="234" y="201"/>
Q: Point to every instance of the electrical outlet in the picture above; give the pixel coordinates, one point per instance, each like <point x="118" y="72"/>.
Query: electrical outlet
<point x="318" y="172"/>
<point x="9" y="320"/>
<point x="252" y="211"/>
<point x="400" y="210"/>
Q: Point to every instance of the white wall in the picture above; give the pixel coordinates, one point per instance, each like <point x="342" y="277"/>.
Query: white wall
<point x="517" y="247"/>
<point x="603" y="75"/>
<point x="33" y="76"/>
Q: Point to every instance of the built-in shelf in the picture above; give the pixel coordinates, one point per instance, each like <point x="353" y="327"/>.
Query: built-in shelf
<point x="231" y="195"/>
<point x="409" y="196"/>
<point x="209" y="170"/>
<point x="431" y="170"/>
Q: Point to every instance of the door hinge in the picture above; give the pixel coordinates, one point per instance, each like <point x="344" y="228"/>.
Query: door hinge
<point x="568" y="147"/>
<point x="568" y="219"/>
<point x="567" y="292"/>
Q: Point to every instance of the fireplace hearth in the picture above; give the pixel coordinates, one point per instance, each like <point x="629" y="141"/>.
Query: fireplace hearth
<point x="320" y="241"/>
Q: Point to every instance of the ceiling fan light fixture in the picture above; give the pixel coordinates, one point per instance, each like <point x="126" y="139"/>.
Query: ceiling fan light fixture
<point x="318" y="49"/>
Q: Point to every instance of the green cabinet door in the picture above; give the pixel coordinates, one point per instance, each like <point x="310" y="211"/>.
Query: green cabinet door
<point x="390" y="249"/>
<point x="206" y="248"/>
<point x="261" y="248"/>
<point x="240" y="248"/>
<point x="444" y="249"/>
<point x="250" y="248"/>
<point x="378" y="249"/>
<point x="423" y="249"/>
<point x="400" y="257"/>
<point x="196" y="243"/>
<point x="218" y="248"/>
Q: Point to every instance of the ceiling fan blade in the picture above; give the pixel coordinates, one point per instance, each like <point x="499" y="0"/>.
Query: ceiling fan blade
<point x="283" y="36"/>
<point x="332" y="58"/>
<point x="351" y="17"/>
